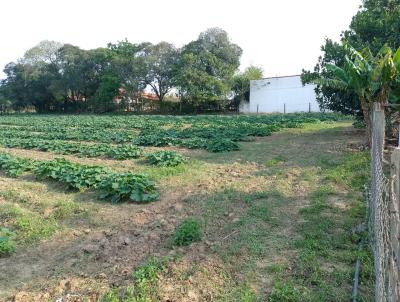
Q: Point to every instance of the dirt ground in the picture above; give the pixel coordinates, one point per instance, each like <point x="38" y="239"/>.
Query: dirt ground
<point x="98" y="245"/>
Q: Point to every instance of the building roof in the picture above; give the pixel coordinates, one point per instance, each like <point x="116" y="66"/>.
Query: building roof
<point x="277" y="77"/>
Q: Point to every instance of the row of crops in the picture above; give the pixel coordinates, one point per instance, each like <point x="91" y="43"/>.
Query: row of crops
<point x="212" y="133"/>
<point x="124" y="137"/>
<point x="117" y="186"/>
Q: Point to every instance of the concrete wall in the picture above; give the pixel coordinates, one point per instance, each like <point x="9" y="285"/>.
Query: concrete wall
<point x="280" y="93"/>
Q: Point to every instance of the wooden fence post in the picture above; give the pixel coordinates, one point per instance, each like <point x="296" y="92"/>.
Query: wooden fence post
<point x="376" y="203"/>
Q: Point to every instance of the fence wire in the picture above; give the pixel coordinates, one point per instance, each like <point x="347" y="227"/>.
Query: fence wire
<point x="383" y="218"/>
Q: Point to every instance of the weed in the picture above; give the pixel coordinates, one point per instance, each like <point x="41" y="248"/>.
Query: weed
<point x="30" y="228"/>
<point x="187" y="232"/>
<point x="285" y="291"/>
<point x="145" y="282"/>
<point x="7" y="246"/>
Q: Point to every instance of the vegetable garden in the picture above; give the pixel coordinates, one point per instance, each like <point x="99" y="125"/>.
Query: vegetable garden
<point x="116" y="196"/>
<point x="122" y="138"/>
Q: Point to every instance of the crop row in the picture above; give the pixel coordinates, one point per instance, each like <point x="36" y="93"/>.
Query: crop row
<point x="117" y="186"/>
<point x="119" y="152"/>
<point x="47" y="123"/>
<point x="202" y="132"/>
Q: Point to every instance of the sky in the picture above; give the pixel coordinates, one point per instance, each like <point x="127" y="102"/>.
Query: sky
<point x="281" y="36"/>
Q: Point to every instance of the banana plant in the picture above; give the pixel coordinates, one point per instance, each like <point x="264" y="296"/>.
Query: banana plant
<point x="370" y="77"/>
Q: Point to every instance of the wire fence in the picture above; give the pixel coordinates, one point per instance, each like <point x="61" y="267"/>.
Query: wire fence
<point x="383" y="206"/>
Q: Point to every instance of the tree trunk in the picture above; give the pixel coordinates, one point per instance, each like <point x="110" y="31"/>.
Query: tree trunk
<point x="367" y="120"/>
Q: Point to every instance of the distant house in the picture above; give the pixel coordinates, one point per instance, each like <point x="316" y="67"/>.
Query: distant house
<point x="280" y="94"/>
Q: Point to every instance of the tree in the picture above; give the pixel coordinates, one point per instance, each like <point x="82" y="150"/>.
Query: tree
<point x="107" y="90"/>
<point x="80" y="73"/>
<point x="43" y="53"/>
<point x="207" y="66"/>
<point x="128" y="64"/>
<point x="241" y="83"/>
<point x="376" y="23"/>
<point x="28" y="85"/>
<point x="161" y="60"/>
<point x="369" y="77"/>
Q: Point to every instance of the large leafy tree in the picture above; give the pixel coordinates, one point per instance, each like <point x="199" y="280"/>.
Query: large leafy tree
<point x="28" y="85"/>
<point x="129" y="65"/>
<point x="207" y="66"/>
<point x="161" y="61"/>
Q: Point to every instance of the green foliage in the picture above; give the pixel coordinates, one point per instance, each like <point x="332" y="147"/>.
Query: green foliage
<point x="63" y="134"/>
<point x="76" y="176"/>
<point x="206" y="66"/>
<point x="165" y="158"/>
<point x="364" y="32"/>
<point x="222" y="145"/>
<point x="145" y="282"/>
<point x="118" y="186"/>
<point x="241" y="83"/>
<point x="125" y="152"/>
<point x="359" y="124"/>
<point x="33" y="228"/>
<point x="127" y="186"/>
<point x="285" y="292"/>
<point x="187" y="232"/>
<point x="13" y="166"/>
<point x="7" y="246"/>
<point x="107" y="90"/>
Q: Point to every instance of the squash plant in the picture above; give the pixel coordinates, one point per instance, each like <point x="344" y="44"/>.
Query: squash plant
<point x="125" y="152"/>
<point x="127" y="186"/>
<point x="165" y="158"/>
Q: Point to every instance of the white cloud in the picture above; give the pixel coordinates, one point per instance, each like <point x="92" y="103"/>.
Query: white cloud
<point x="282" y="36"/>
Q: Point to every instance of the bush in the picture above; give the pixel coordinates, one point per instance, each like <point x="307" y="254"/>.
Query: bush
<point x="127" y="186"/>
<point x="165" y="158"/>
<point x="222" y="145"/>
<point x="359" y="124"/>
<point x="187" y="232"/>
<point x="7" y="247"/>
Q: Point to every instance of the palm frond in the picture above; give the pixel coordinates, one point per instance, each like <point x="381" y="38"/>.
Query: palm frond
<point x="337" y="72"/>
<point x="331" y="83"/>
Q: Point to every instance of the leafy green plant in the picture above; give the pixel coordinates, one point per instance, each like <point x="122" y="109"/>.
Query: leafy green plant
<point x="15" y="166"/>
<point x="285" y="292"/>
<point x="74" y="175"/>
<point x="7" y="246"/>
<point x="165" y="158"/>
<point x="222" y="145"/>
<point x="187" y="232"/>
<point x="127" y="186"/>
<point x="125" y="152"/>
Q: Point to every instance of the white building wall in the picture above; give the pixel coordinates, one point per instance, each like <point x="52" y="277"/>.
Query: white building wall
<point x="280" y="94"/>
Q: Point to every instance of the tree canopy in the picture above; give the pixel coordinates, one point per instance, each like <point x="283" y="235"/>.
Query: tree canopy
<point x="56" y="77"/>
<point x="377" y="23"/>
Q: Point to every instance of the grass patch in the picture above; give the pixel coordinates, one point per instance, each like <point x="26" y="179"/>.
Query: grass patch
<point x="145" y="284"/>
<point x="31" y="228"/>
